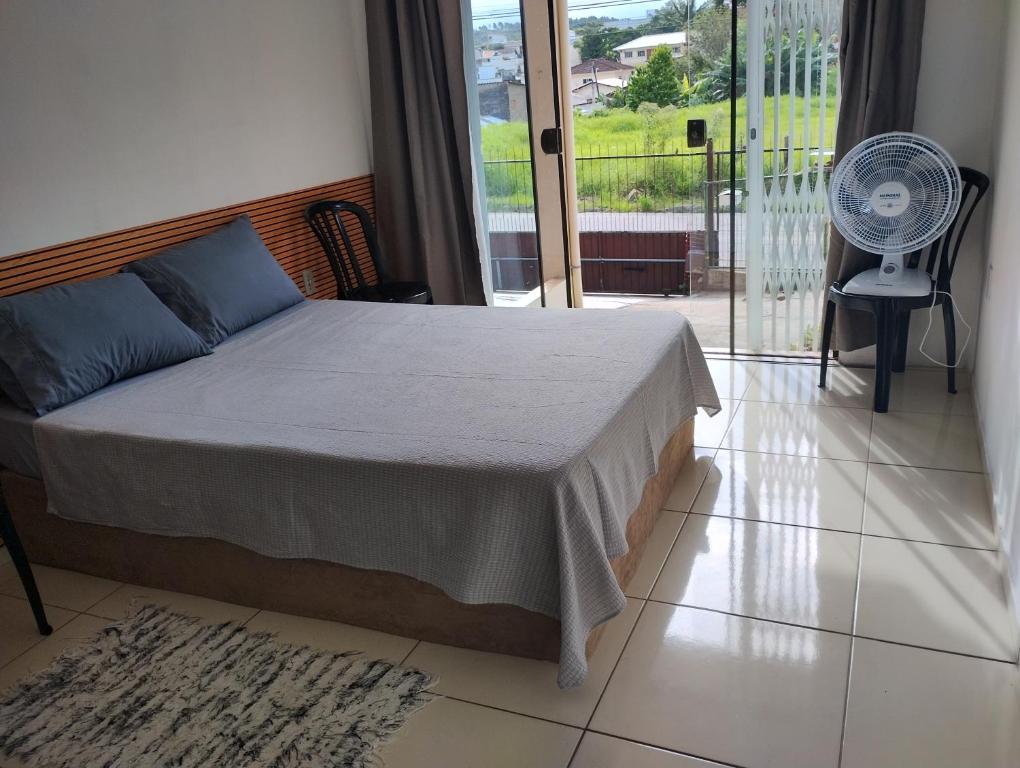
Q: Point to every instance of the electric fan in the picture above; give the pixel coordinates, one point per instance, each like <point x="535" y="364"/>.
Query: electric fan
<point x="891" y="195"/>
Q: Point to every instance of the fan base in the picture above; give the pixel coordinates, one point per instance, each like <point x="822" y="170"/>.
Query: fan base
<point x="872" y="282"/>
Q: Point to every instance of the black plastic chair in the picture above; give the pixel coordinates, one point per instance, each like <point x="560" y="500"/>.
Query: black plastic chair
<point x="892" y="313"/>
<point x="326" y="218"/>
<point x="9" y="535"/>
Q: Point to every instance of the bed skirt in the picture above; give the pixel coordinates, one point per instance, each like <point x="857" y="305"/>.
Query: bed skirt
<point x="384" y="601"/>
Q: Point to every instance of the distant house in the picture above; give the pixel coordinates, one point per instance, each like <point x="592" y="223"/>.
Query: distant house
<point x="637" y="51"/>
<point x="504" y="101"/>
<point x="588" y="96"/>
<point x="509" y="65"/>
<point x="488" y="74"/>
<point x="504" y="64"/>
<point x="601" y="69"/>
<point x="499" y="67"/>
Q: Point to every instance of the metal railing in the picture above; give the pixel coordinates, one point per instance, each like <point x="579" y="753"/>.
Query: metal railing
<point x="613" y="179"/>
<point x="626" y="180"/>
<point x="628" y="190"/>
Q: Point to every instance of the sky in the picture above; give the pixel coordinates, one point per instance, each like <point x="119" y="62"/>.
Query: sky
<point x="620" y="9"/>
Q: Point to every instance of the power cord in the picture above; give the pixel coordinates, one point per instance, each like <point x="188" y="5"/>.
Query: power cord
<point x="931" y="316"/>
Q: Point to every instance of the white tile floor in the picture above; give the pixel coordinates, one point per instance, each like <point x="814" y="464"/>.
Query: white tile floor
<point x="796" y="605"/>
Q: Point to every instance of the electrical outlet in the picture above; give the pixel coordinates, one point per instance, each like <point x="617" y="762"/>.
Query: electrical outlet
<point x="309" y="278"/>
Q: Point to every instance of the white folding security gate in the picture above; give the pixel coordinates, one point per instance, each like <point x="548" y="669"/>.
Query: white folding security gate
<point x="793" y="44"/>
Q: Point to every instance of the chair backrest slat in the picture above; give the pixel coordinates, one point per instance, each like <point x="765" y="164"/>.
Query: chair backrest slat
<point x="942" y="254"/>
<point x="329" y="220"/>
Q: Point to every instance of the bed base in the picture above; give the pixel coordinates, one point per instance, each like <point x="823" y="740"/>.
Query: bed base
<point x="384" y="601"/>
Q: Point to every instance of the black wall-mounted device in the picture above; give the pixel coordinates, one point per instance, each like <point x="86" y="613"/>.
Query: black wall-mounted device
<point x="697" y="133"/>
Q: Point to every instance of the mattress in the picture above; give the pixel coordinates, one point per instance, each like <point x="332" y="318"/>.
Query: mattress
<point x="17" y="445"/>
<point x="493" y="453"/>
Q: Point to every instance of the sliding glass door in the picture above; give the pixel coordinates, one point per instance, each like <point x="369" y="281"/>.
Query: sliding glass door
<point x="662" y="154"/>
<point x="659" y="224"/>
<point x="512" y="67"/>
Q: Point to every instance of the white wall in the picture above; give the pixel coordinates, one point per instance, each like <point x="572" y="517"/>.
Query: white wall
<point x="956" y="105"/>
<point x="115" y="113"/>
<point x="997" y="372"/>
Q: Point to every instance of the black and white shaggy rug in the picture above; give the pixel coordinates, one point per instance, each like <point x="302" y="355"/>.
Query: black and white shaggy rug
<point x="160" y="689"/>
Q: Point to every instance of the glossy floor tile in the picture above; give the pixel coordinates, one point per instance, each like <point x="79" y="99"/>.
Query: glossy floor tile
<point x="130" y="597"/>
<point x="734" y="649"/>
<point x="65" y="589"/>
<point x="800" y="430"/>
<point x="657" y="549"/>
<point x="525" y="685"/>
<point x="691" y="476"/>
<point x="18" y="630"/>
<point x="796" y="490"/>
<point x="926" y="440"/>
<point x="934" y="596"/>
<point x="933" y="505"/>
<point x="332" y="636"/>
<point x="709" y="430"/>
<point x="456" y="734"/>
<point x="742" y="691"/>
<point x="927" y="391"/>
<point x="731" y="377"/>
<point x="911" y="707"/>
<point x="847" y="387"/>
<point x="796" y="575"/>
<point x="600" y="751"/>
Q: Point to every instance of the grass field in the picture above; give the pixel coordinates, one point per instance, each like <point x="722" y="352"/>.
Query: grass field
<point x="618" y="131"/>
<point x="614" y="171"/>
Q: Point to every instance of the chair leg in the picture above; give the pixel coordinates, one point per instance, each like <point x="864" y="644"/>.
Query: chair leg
<point x="21" y="565"/>
<point x="885" y="340"/>
<point x="830" y="317"/>
<point x="949" y="321"/>
<point x="899" y="364"/>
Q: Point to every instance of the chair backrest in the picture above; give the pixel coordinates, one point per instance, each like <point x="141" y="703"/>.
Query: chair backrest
<point x="943" y="252"/>
<point x="334" y="232"/>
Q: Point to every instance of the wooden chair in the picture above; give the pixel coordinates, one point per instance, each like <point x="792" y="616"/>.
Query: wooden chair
<point x="892" y="313"/>
<point x="326" y="218"/>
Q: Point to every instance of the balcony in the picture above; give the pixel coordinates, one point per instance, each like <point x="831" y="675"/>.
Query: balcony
<point x="655" y="233"/>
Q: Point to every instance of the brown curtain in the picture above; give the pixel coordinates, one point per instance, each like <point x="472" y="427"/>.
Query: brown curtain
<point x="422" y="147"/>
<point x="879" y="59"/>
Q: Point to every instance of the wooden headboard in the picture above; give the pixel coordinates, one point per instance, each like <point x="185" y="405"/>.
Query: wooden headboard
<point x="279" y="221"/>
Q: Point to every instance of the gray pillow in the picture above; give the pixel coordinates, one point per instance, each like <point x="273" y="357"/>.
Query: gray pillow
<point x="9" y="386"/>
<point x="220" y="283"/>
<point x="64" y="342"/>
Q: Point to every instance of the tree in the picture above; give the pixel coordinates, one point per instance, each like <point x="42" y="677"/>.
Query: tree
<point x="722" y="4"/>
<point x="710" y="34"/>
<point x="713" y="83"/>
<point x="655" y="82"/>
<point x="674" y="15"/>
<point x="596" y="41"/>
<point x="692" y="65"/>
<point x="617" y="99"/>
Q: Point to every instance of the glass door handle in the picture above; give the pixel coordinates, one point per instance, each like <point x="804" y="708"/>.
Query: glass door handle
<point x="551" y="140"/>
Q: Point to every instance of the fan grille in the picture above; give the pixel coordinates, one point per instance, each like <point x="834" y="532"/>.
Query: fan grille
<point x="926" y="172"/>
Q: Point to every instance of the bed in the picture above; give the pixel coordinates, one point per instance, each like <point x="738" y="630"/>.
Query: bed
<point x="473" y="476"/>
<point x="17" y="445"/>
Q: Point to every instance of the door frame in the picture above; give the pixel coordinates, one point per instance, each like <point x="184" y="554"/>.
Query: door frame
<point x="541" y="28"/>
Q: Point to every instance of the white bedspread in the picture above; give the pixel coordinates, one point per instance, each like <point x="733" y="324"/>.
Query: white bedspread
<point x="493" y="453"/>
